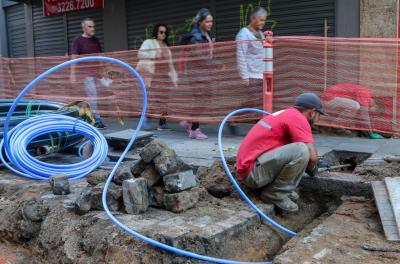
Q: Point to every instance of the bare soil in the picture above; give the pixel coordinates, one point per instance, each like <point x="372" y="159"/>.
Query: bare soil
<point x="353" y="234"/>
<point x="377" y="171"/>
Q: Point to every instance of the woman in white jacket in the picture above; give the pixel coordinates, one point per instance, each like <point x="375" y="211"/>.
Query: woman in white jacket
<point x="250" y="55"/>
<point x="158" y="72"/>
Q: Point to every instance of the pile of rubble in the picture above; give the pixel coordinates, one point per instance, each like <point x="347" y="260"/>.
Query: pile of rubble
<point x="159" y="179"/>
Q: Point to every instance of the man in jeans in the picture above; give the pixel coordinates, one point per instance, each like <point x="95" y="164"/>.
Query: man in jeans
<point x="83" y="44"/>
<point x="278" y="150"/>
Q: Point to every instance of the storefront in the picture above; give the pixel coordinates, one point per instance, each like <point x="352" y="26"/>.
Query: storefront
<point x="124" y="24"/>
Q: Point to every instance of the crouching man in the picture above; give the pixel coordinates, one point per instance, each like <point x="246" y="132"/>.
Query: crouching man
<point x="278" y="150"/>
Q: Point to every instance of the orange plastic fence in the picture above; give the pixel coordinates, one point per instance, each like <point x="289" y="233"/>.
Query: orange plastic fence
<point x="356" y="78"/>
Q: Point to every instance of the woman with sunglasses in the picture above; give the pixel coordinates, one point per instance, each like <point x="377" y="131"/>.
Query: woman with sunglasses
<point x="158" y="72"/>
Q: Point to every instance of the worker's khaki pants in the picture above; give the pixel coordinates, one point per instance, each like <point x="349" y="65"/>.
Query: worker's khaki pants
<point x="279" y="171"/>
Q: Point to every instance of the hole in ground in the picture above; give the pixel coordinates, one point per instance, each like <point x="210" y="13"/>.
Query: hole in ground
<point x="341" y="157"/>
<point x="263" y="242"/>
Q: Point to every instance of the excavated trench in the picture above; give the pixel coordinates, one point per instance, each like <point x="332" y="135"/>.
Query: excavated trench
<point x="39" y="227"/>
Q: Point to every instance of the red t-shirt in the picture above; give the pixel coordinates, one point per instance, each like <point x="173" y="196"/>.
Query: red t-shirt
<point x="287" y="126"/>
<point x="355" y="92"/>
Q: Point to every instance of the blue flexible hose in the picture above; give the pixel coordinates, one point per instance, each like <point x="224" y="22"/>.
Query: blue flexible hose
<point x="28" y="166"/>
<point x="228" y="172"/>
<point x="127" y="229"/>
<point x="120" y="225"/>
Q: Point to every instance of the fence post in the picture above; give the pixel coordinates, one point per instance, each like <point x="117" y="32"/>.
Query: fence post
<point x="268" y="86"/>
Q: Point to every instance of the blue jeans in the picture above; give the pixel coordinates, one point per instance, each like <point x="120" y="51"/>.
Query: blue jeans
<point x="91" y="94"/>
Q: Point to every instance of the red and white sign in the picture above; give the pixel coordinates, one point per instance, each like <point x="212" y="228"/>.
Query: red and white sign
<point x="54" y="7"/>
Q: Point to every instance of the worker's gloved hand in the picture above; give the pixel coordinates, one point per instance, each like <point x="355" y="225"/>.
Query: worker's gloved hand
<point x="323" y="163"/>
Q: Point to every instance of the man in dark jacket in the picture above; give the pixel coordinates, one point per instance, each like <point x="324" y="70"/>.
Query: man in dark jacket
<point x="87" y="43"/>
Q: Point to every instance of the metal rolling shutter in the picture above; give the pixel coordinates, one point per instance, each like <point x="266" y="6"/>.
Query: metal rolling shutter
<point x="143" y="15"/>
<point x="48" y="32"/>
<point x="15" y="19"/>
<point x="74" y="28"/>
<point x="301" y="17"/>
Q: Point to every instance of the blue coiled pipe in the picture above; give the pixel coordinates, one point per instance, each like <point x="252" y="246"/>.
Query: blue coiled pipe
<point x="25" y="165"/>
<point x="228" y="172"/>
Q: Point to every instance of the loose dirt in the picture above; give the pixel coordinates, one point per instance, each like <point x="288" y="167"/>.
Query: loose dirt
<point x="347" y="236"/>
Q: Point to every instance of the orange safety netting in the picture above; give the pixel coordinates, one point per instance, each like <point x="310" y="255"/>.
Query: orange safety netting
<point x="357" y="80"/>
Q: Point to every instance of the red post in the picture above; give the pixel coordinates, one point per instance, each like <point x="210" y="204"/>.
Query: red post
<point x="268" y="85"/>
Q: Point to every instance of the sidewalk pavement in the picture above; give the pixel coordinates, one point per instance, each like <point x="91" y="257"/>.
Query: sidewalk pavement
<point x="204" y="152"/>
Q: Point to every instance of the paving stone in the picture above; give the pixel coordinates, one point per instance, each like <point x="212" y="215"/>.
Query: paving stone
<point x="179" y="202"/>
<point x="123" y="173"/>
<point x="179" y="181"/>
<point x="167" y="162"/>
<point x="83" y="202"/>
<point x="135" y="196"/>
<point x="152" y="150"/>
<point x="33" y="211"/>
<point x="137" y="167"/>
<point x="114" y="195"/>
<point x="156" y="196"/>
<point x="97" y="176"/>
<point x="120" y="139"/>
<point x="60" y="184"/>
<point x="151" y="175"/>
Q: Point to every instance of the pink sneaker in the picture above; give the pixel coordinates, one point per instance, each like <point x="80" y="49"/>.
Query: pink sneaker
<point x="186" y="125"/>
<point x="197" y="134"/>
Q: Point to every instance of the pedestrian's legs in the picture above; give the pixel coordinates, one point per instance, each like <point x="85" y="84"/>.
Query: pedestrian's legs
<point x="91" y="93"/>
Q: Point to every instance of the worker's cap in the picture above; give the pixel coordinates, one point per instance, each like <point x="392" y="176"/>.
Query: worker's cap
<point x="310" y="101"/>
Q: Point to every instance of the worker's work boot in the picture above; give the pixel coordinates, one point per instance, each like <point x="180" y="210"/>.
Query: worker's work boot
<point x="294" y="196"/>
<point x="285" y="204"/>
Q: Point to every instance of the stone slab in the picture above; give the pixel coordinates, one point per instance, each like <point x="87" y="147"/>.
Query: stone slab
<point x="120" y="139"/>
<point x="393" y="188"/>
<point x="210" y="224"/>
<point x="337" y="184"/>
<point x="385" y="211"/>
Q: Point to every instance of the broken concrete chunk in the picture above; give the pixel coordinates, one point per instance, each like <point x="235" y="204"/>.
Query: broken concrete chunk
<point x="123" y="173"/>
<point x="114" y="194"/>
<point x="167" y="162"/>
<point x="135" y="196"/>
<point x="83" y="202"/>
<point x="391" y="158"/>
<point x="179" y="181"/>
<point x="219" y="190"/>
<point x="34" y="211"/>
<point x="179" y="202"/>
<point x="59" y="184"/>
<point x="151" y="176"/>
<point x="152" y="150"/>
<point x="268" y="209"/>
<point x="97" y="176"/>
<point x="156" y="196"/>
<point x="137" y="167"/>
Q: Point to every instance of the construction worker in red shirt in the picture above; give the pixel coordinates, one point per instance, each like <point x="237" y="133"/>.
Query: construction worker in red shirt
<point x="278" y="150"/>
<point x="348" y="103"/>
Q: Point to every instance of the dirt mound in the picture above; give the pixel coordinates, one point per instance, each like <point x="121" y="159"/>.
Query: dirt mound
<point x="377" y="171"/>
